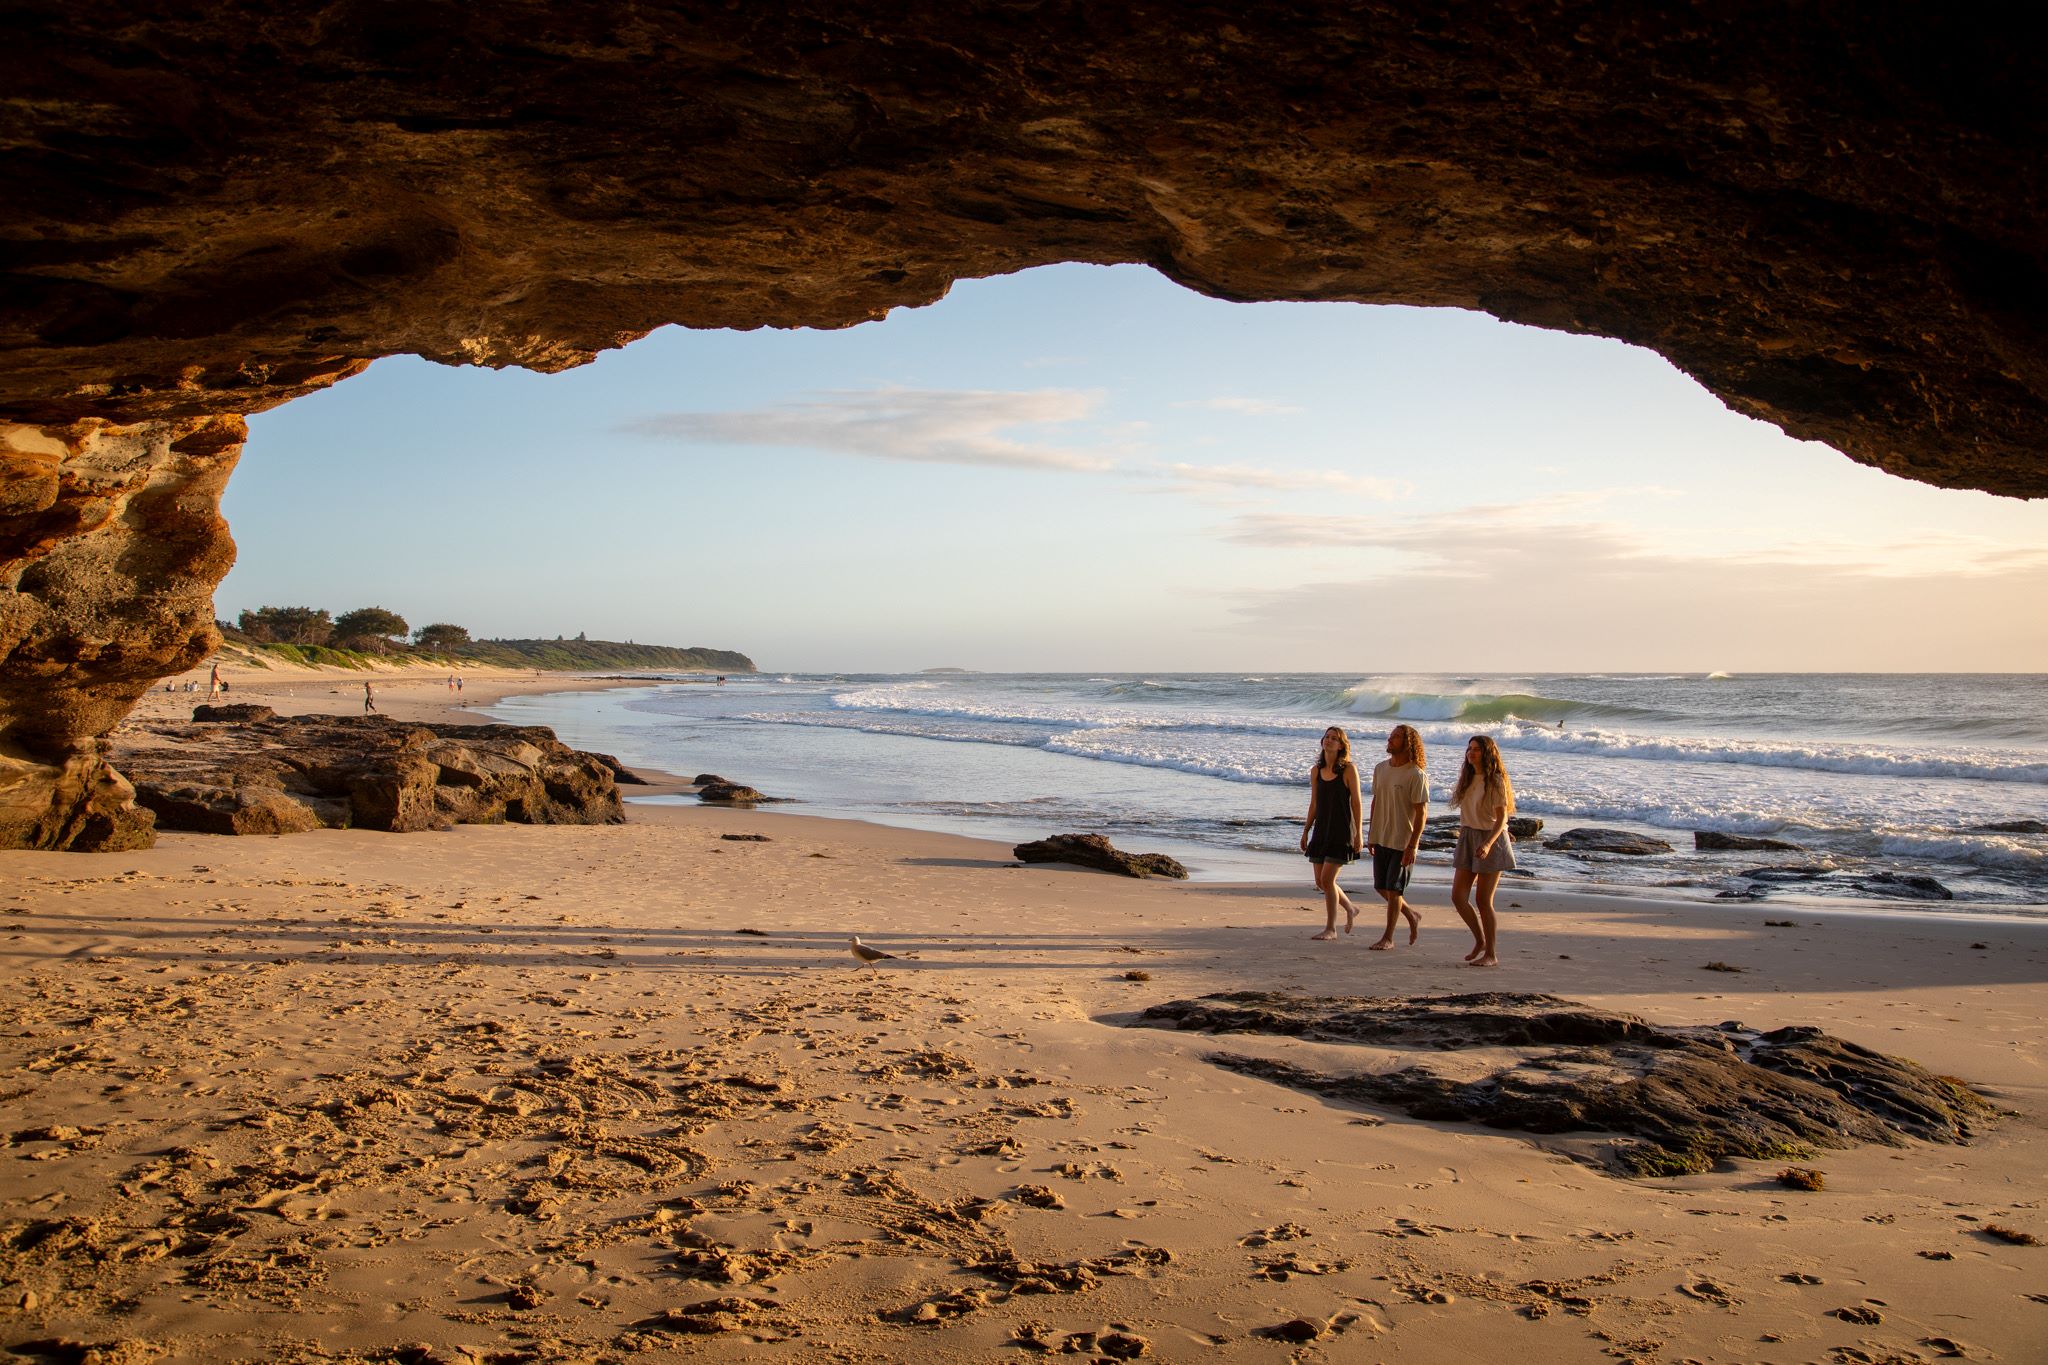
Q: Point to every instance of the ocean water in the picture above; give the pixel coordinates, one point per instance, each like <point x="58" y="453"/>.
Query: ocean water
<point x="1871" y="774"/>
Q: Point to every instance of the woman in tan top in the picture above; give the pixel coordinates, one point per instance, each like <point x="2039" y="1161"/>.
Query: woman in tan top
<point x="1485" y="799"/>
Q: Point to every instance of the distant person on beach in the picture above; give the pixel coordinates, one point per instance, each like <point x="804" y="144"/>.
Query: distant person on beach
<point x="1331" y="835"/>
<point x="1485" y="799"/>
<point x="369" y="698"/>
<point x="1400" y="802"/>
<point x="213" y="682"/>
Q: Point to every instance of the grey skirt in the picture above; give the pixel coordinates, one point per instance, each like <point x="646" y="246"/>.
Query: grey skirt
<point x="1467" y="858"/>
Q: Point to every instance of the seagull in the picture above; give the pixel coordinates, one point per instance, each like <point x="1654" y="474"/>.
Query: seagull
<point x="867" y="956"/>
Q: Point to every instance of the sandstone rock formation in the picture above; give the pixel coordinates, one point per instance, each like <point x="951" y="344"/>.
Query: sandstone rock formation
<point x="1687" y="1098"/>
<point x="1092" y="850"/>
<point x="1833" y="216"/>
<point x="288" y="774"/>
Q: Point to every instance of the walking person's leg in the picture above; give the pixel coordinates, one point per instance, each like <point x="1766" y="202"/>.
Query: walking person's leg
<point x="1461" y="901"/>
<point x="1326" y="882"/>
<point x="1486" y="882"/>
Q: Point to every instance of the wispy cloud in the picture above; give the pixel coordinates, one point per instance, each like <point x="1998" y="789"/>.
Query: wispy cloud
<point x="1249" y="407"/>
<point x="1208" y="477"/>
<point x="916" y="426"/>
<point x="991" y="428"/>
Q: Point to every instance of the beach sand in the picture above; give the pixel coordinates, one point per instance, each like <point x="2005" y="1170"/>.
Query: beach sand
<point x="581" y="1094"/>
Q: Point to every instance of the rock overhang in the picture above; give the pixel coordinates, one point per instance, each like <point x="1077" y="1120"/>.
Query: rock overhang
<point x="1831" y="216"/>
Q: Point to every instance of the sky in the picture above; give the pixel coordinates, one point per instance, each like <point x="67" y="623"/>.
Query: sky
<point x="1086" y="468"/>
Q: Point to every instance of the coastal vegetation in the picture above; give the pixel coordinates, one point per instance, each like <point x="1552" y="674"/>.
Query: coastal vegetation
<point x="372" y="637"/>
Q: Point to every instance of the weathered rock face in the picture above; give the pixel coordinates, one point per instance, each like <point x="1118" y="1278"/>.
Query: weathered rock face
<point x="1092" y="850"/>
<point x="1685" y="1098"/>
<point x="284" y="775"/>
<point x="1834" y="217"/>
<point x="111" y="542"/>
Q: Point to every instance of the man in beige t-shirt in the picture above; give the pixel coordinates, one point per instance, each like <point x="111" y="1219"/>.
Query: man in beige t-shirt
<point x="1400" y="803"/>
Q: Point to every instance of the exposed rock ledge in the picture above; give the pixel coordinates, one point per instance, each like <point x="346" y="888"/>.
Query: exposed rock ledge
<point x="1686" y="1098"/>
<point x="1092" y="850"/>
<point x="283" y="775"/>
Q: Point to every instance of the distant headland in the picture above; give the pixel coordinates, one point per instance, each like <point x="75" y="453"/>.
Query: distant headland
<point x="371" y="637"/>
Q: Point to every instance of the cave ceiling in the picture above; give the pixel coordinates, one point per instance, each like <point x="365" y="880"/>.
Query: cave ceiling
<point x="1831" y="215"/>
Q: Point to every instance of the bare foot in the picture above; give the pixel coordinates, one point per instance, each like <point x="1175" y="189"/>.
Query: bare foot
<point x="1485" y="962"/>
<point x="1478" y="951"/>
<point x="1414" y="925"/>
<point x="1350" y="916"/>
<point x="1383" y="945"/>
<point x="1323" y="937"/>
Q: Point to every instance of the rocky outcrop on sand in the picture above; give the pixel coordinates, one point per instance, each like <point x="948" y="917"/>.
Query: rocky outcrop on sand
<point x="1092" y="850"/>
<point x="1713" y="841"/>
<point x="1615" y="842"/>
<point x="289" y="774"/>
<point x="211" y="216"/>
<point x="234" y="711"/>
<point x="1682" y="1098"/>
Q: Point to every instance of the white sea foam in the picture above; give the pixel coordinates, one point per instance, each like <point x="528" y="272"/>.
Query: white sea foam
<point x="1972" y="762"/>
<point x="1871" y="772"/>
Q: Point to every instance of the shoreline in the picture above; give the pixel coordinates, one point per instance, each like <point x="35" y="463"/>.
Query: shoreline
<point x="419" y="694"/>
<point x="545" y="1089"/>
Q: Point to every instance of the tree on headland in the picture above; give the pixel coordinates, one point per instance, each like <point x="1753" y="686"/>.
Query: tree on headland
<point x="373" y="628"/>
<point x="440" y="637"/>
<point x="287" y="625"/>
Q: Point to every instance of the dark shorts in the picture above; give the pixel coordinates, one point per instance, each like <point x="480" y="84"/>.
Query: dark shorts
<point x="1387" y="872"/>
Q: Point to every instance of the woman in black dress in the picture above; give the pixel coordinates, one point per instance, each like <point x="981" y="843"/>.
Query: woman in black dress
<point x="1333" y="835"/>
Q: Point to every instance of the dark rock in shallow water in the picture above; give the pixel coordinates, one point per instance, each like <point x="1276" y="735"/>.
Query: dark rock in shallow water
<point x="2012" y="827"/>
<point x="1589" y="839"/>
<point x="1713" y="841"/>
<point x="708" y="780"/>
<point x="1907" y="885"/>
<point x="1911" y="885"/>
<point x="237" y="711"/>
<point x="1688" y="1096"/>
<point x="1785" y="874"/>
<point x="283" y="775"/>
<point x="1092" y="850"/>
<point x="722" y="793"/>
<point x="1440" y="832"/>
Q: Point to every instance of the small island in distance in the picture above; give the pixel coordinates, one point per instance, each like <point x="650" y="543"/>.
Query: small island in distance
<point x="945" y="670"/>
